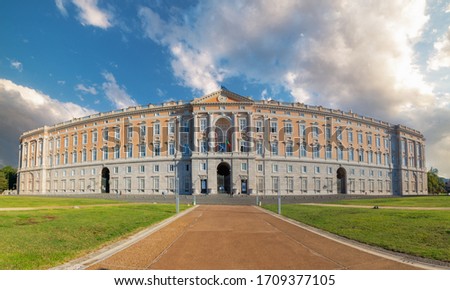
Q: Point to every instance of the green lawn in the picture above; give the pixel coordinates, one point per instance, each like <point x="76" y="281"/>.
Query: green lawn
<point x="41" y="201"/>
<point x="419" y="201"/>
<point x="40" y="239"/>
<point x="416" y="232"/>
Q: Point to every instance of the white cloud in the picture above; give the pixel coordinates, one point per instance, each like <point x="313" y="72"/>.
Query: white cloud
<point x="87" y="90"/>
<point x="61" y="4"/>
<point x="89" y="12"/>
<point x="115" y="93"/>
<point x="16" y="65"/>
<point x="23" y="109"/>
<point x="441" y="56"/>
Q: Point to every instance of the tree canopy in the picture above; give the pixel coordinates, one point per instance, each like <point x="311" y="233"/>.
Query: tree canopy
<point x="435" y="184"/>
<point x="8" y="177"/>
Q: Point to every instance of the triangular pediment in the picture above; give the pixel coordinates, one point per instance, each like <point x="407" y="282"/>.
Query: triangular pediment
<point x="223" y="96"/>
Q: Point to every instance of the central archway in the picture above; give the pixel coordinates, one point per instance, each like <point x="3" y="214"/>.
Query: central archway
<point x="223" y="178"/>
<point x="105" y="180"/>
<point x="341" y="180"/>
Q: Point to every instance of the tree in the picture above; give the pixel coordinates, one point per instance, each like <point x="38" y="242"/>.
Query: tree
<point x="11" y="176"/>
<point x="3" y="182"/>
<point x="435" y="184"/>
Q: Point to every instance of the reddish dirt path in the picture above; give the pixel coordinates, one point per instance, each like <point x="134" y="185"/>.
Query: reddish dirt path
<point x="240" y="237"/>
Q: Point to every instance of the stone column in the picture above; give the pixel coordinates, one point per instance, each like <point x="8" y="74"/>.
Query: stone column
<point x="211" y="134"/>
<point x="235" y="133"/>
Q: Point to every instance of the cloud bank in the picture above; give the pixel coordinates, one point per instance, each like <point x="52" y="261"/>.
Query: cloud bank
<point x="24" y="109"/>
<point x="339" y="54"/>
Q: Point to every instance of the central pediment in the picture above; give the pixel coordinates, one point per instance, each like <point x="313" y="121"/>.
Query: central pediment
<point x="223" y="96"/>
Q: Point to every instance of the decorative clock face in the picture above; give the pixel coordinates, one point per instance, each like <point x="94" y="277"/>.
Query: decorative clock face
<point x="222" y="99"/>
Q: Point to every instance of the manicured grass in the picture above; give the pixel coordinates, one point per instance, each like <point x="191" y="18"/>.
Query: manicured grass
<point x="416" y="232"/>
<point x="419" y="201"/>
<point x="41" y="239"/>
<point x="41" y="201"/>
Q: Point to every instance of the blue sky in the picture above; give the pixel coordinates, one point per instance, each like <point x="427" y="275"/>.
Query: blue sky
<point x="67" y="58"/>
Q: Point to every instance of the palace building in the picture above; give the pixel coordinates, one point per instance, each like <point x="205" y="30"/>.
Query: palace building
<point x="223" y="143"/>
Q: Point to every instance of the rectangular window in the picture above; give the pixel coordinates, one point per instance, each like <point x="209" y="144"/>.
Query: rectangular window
<point x="156" y="184"/>
<point x="316" y="169"/>
<point x="259" y="148"/>
<point x="317" y="184"/>
<point x="117" y="152"/>
<point x="157" y="128"/>
<point x="203" y="124"/>
<point x="340" y="153"/>
<point x="328" y="133"/>
<point x="84" y="138"/>
<point x="289" y="150"/>
<point x="141" y="168"/>
<point x="142" y="150"/>
<point x="259" y="126"/>
<point x="128" y="184"/>
<point x="259" y="167"/>
<point x="157" y="149"/>
<point x="303" y="150"/>
<point x="304" y="169"/>
<point x="117" y="133"/>
<point x="171" y="128"/>
<point x="360" y="138"/>
<point x="288" y="128"/>
<point x="350" y="137"/>
<point x="105" y="153"/>
<point x="316" y="151"/>
<point x="242" y="124"/>
<point x="304" y="184"/>
<point x="171" y="149"/>
<point x="244" y="166"/>
<point x="274" y="127"/>
<point x="171" y="168"/>
<point x="302" y="129"/>
<point x="94" y="154"/>
<point x="128" y="169"/>
<point x="274" y="167"/>
<point x="290" y="184"/>
<point x="141" y="184"/>
<point x="105" y="134"/>
<point x="129" y="133"/>
<point x="315" y="132"/>
<point x="274" y="148"/>
<point x="275" y="184"/>
<point x="260" y="184"/>
<point x="369" y="139"/>
<point x="289" y="168"/>
<point x="66" y="143"/>
<point x="156" y="168"/>
<point x="130" y="150"/>
<point x="203" y="146"/>
<point x="203" y="166"/>
<point x="94" y="136"/>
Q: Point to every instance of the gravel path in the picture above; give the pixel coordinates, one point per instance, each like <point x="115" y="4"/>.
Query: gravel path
<point x="242" y="237"/>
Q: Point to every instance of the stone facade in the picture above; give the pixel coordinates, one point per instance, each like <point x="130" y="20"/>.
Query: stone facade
<point x="223" y="143"/>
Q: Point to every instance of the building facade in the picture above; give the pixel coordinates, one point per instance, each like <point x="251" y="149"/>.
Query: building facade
<point x="223" y="143"/>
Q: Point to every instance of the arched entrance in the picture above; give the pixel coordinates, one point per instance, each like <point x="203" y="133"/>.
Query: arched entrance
<point x="341" y="180"/>
<point x="105" y="180"/>
<point x="223" y="178"/>
<point x="223" y="135"/>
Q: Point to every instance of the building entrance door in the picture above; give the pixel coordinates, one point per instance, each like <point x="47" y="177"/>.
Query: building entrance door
<point x="244" y="186"/>
<point x="105" y="180"/>
<point x="341" y="180"/>
<point x="224" y="178"/>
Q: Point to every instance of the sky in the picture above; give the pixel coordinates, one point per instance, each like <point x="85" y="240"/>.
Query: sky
<point x="389" y="60"/>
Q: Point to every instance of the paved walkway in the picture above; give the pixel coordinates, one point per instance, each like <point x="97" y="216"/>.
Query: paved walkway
<point x="240" y="237"/>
